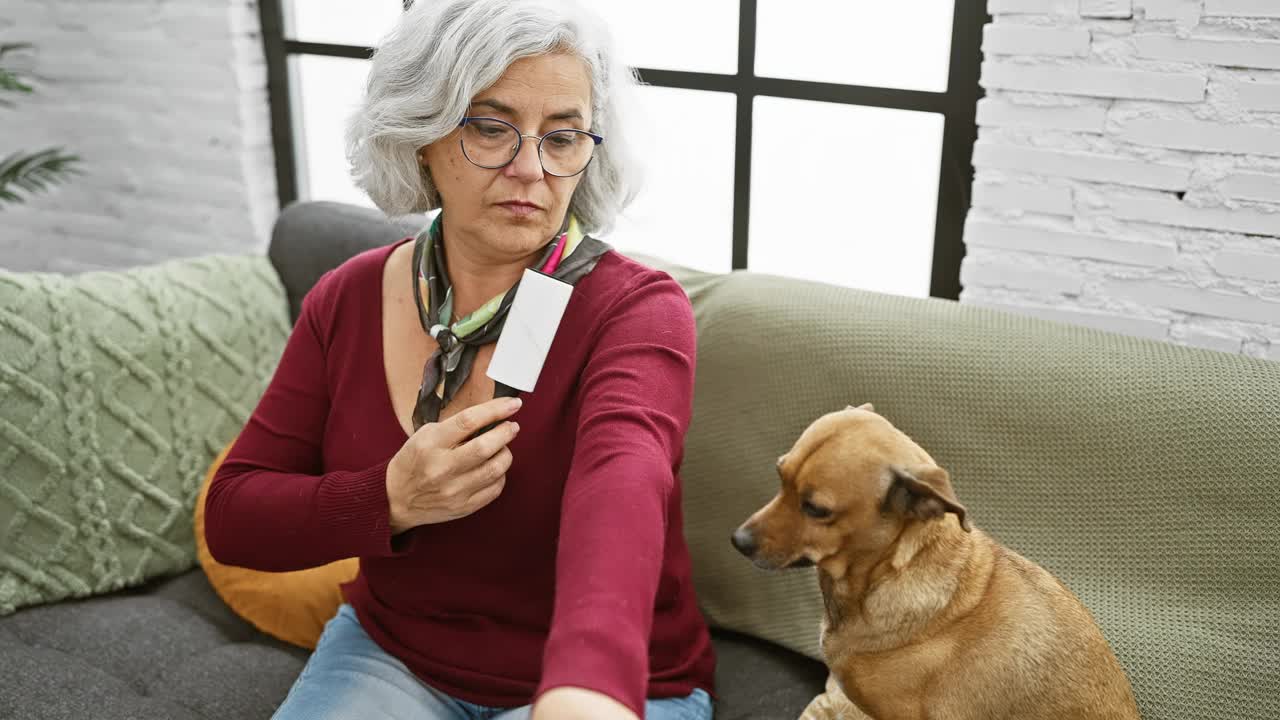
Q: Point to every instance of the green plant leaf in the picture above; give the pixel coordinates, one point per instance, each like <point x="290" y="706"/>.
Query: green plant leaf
<point x="35" y="172"/>
<point x="9" y="78"/>
<point x="10" y="81"/>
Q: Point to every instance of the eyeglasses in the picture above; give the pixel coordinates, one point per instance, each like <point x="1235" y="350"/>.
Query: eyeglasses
<point x="492" y="143"/>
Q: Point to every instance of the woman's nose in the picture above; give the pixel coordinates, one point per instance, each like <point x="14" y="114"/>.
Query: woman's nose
<point x="526" y="166"/>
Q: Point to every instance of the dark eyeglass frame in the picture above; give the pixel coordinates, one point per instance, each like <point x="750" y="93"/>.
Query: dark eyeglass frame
<point x="596" y="139"/>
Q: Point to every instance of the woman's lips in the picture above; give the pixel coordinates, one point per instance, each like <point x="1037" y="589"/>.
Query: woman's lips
<point x="520" y="209"/>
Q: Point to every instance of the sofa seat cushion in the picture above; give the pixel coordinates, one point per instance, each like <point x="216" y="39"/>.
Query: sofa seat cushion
<point x="757" y="680"/>
<point x="172" y="650"/>
<point x="168" y="651"/>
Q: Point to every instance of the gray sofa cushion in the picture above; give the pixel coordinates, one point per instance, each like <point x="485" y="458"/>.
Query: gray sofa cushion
<point x="757" y="679"/>
<point x="172" y="650"/>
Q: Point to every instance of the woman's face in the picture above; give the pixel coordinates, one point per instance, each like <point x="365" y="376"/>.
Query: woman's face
<point x="537" y="94"/>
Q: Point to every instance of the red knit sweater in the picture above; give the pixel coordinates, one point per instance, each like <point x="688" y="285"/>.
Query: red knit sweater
<point x="577" y="575"/>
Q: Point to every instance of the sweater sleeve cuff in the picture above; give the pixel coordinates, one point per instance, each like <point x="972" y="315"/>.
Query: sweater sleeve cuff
<point x="353" y="508"/>
<point x="597" y="661"/>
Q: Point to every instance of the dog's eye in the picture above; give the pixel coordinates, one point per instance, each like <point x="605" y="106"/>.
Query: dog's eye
<point x="815" y="512"/>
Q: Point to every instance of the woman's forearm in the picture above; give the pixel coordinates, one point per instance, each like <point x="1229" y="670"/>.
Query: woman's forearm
<point x="571" y="703"/>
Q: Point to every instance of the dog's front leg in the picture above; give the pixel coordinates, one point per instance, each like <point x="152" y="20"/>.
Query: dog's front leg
<point x="833" y="705"/>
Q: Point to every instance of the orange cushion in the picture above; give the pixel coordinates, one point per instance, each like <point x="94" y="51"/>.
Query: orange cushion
<point x="292" y="606"/>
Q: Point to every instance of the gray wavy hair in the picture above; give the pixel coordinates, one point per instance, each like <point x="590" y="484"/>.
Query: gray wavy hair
<point x="441" y="54"/>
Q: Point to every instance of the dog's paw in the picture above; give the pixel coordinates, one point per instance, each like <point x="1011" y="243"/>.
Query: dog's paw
<point x="832" y="705"/>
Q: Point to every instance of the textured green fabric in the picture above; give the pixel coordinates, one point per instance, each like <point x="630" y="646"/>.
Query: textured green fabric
<point x="117" y="389"/>
<point x="1144" y="475"/>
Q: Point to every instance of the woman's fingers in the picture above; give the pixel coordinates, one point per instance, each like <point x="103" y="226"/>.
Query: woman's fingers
<point x="455" y="431"/>
<point x="474" y="452"/>
<point x="487" y="473"/>
<point x="485" y="495"/>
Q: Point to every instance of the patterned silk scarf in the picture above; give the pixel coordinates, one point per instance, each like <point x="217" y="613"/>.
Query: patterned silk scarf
<point x="568" y="258"/>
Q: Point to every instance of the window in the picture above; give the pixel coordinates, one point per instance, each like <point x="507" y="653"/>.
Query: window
<point x="840" y="143"/>
<point x="864" y="214"/>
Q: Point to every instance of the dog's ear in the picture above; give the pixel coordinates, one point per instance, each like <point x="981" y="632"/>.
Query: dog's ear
<point x="924" y="493"/>
<point x="864" y="406"/>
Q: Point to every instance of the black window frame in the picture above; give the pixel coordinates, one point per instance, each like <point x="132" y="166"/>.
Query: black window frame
<point x="958" y="106"/>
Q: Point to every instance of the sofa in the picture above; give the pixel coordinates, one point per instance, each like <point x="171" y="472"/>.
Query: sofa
<point x="1143" y="474"/>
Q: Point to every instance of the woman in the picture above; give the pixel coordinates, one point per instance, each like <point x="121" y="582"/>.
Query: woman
<point x="538" y="568"/>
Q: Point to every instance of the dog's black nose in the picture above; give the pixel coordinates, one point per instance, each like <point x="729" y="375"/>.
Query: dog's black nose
<point x="745" y="541"/>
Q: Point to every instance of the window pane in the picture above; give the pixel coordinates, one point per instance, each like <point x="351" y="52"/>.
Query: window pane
<point x="345" y="22"/>
<point x="694" y="35"/>
<point x="902" y="44"/>
<point x="685" y="211"/>
<point x="844" y="194"/>
<point x="327" y="91"/>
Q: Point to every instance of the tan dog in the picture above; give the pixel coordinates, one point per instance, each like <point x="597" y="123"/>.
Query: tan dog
<point x="925" y="617"/>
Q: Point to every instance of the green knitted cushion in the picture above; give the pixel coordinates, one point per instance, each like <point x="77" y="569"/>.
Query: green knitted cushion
<point x="117" y="389"/>
<point x="1144" y="475"/>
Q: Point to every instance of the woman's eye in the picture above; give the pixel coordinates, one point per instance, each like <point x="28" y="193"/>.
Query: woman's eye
<point x="813" y="511"/>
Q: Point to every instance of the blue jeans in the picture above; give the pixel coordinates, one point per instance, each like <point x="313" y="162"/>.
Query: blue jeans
<point x="350" y="677"/>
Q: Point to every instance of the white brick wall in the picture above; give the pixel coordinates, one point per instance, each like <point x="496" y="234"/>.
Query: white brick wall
<point x="1242" y="8"/>
<point x="1106" y="8"/>
<point x="1251" y="53"/>
<point x="1185" y="12"/>
<point x="1094" y="81"/>
<point x="1041" y="7"/>
<point x="166" y="102"/>
<point x="1010" y="39"/>
<point x="1128" y="169"/>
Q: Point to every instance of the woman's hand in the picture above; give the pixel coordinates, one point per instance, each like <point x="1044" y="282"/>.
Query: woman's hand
<point x="439" y="476"/>
<point x="571" y="703"/>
